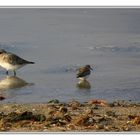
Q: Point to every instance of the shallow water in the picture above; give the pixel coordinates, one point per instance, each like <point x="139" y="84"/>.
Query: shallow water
<point x="61" y="40"/>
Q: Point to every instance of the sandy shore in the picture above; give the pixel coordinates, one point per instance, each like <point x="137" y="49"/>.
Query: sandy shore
<point x="91" y="116"/>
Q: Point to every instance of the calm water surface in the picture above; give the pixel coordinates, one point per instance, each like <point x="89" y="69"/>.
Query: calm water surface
<point x="61" y="40"/>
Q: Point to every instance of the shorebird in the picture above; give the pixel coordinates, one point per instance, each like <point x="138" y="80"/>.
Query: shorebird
<point x="11" y="62"/>
<point x="84" y="72"/>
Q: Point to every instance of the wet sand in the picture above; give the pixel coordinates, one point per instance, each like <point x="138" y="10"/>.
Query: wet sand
<point x="54" y="116"/>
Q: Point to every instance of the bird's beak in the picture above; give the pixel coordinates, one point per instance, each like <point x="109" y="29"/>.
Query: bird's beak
<point x="91" y="69"/>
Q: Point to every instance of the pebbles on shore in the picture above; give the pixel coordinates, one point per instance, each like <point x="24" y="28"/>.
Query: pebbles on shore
<point x="94" y="115"/>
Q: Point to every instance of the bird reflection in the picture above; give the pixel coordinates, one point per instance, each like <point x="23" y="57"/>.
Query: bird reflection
<point x="12" y="82"/>
<point x="83" y="84"/>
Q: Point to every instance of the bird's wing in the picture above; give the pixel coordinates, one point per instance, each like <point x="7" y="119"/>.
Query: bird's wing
<point x="81" y="72"/>
<point x="15" y="60"/>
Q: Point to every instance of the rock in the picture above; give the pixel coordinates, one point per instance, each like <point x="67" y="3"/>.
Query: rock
<point x="98" y="102"/>
<point x="67" y="118"/>
<point x="63" y="109"/>
<point x="103" y="120"/>
<point x="94" y="106"/>
<point x="74" y="104"/>
<point x="83" y="120"/>
<point x="111" y="113"/>
<point x="1" y="115"/>
<point x="120" y="103"/>
<point x="11" y="117"/>
<point x="88" y="111"/>
<point x="99" y="126"/>
<point x="57" y="121"/>
<point x="55" y="101"/>
<point x="126" y="128"/>
<point x="26" y="116"/>
<point x="89" y="121"/>
<point x="134" y="119"/>
<point x="14" y="117"/>
<point x="71" y="127"/>
<point x="39" y="117"/>
<point x="107" y="128"/>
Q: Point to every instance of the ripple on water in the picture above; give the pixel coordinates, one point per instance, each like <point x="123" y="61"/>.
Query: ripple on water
<point x="63" y="69"/>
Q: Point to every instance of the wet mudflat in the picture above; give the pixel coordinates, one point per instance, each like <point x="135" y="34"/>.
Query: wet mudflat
<point x="60" y="40"/>
<point x="54" y="116"/>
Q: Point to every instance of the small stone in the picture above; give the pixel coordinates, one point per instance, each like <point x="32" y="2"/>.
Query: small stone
<point x="67" y="118"/>
<point x="94" y="106"/>
<point x="63" y="109"/>
<point x="55" y="101"/>
<point x="99" y="126"/>
<point x="71" y="126"/>
<point x="98" y="102"/>
<point x="39" y="117"/>
<point x="126" y="128"/>
<point x="111" y="113"/>
<point x="74" y="104"/>
<point x="136" y="120"/>
<point x="111" y="105"/>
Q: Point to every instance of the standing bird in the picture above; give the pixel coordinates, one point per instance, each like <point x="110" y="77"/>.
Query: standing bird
<point x="10" y="61"/>
<point x="84" y="72"/>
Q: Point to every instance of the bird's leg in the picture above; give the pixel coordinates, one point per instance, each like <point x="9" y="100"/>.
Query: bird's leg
<point x="7" y="72"/>
<point x="14" y="73"/>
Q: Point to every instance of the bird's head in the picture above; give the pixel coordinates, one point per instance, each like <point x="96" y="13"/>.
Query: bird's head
<point x="2" y="51"/>
<point x="89" y="67"/>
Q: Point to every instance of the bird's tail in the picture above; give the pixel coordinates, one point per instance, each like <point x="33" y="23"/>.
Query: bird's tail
<point x="30" y="62"/>
<point x="77" y="76"/>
